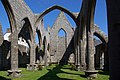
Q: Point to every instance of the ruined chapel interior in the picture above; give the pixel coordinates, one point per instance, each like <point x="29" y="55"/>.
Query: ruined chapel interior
<point x="77" y="46"/>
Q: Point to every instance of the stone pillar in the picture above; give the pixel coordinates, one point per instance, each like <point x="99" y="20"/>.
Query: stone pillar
<point x="78" y="58"/>
<point x="83" y="55"/>
<point x="1" y="35"/>
<point x="97" y="57"/>
<point x="32" y="53"/>
<point x="32" y="66"/>
<point x="1" y="41"/>
<point x="75" y="45"/>
<point x="113" y="12"/>
<point x="91" y="52"/>
<point x="90" y="72"/>
<point x="106" y="59"/>
<point x="14" y="72"/>
<point x="83" y="51"/>
<point x="45" y="57"/>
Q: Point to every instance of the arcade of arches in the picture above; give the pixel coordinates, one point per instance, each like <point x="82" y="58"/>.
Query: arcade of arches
<point x="78" y="46"/>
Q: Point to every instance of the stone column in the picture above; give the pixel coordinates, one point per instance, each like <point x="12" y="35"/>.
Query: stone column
<point x="0" y="57"/>
<point x="83" y="51"/>
<point x="106" y="59"/>
<point x="78" y="57"/>
<point x="90" y="72"/>
<point x="88" y="15"/>
<point x="1" y="35"/>
<point x="113" y="12"/>
<point x="32" y="53"/>
<point x="45" y="56"/>
<point x="97" y="57"/>
<point x="44" y="60"/>
<point x="83" y="55"/>
<point x="1" y="41"/>
<point x="75" y="46"/>
<point x="75" y="56"/>
<point x="14" y="72"/>
<point x="91" y="52"/>
<point x="32" y="66"/>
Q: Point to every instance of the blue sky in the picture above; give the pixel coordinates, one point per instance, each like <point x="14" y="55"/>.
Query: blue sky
<point x="38" y="6"/>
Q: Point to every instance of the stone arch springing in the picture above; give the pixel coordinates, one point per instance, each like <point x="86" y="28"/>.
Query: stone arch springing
<point x="100" y="37"/>
<point x="86" y="17"/>
<point x="100" y="34"/>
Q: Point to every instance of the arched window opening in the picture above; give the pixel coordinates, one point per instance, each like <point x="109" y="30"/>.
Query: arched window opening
<point x="61" y="43"/>
<point x="62" y="33"/>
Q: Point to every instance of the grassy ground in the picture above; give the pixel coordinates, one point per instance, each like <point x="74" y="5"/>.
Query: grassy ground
<point x="53" y="72"/>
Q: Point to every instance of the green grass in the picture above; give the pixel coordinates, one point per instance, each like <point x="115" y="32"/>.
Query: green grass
<point x="54" y="72"/>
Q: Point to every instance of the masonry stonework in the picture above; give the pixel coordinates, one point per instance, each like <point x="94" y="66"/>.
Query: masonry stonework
<point x="57" y="44"/>
<point x="77" y="46"/>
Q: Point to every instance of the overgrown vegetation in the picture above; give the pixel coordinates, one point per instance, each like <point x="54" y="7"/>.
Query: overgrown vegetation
<point x="53" y="72"/>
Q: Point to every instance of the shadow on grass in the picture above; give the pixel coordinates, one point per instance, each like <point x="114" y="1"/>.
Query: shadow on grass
<point x="103" y="72"/>
<point x="2" y="78"/>
<point x="52" y="74"/>
<point x="81" y="75"/>
<point x="4" y="69"/>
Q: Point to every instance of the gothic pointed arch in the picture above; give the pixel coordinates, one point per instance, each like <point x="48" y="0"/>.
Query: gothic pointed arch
<point x="26" y="32"/>
<point x="53" y="8"/>
<point x="62" y="33"/>
<point x="100" y="34"/>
